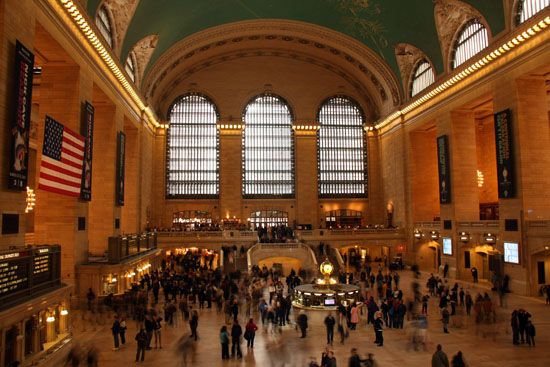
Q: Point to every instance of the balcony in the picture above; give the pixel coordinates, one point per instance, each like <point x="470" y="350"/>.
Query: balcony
<point x="350" y="234"/>
<point x="169" y="238"/>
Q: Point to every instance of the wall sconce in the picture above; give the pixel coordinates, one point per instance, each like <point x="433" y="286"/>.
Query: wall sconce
<point x="50" y="319"/>
<point x="434" y="235"/>
<point x="417" y="234"/>
<point x="113" y="280"/>
<point x="464" y="237"/>
<point x="64" y="312"/>
<point x="489" y="238"/>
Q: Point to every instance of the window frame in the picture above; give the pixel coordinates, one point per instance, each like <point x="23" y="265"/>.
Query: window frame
<point x="458" y="42"/>
<point x="133" y="75"/>
<point x="292" y="151"/>
<point x="167" y="167"/>
<point x="520" y="4"/>
<point x="415" y="77"/>
<point x="365" y="194"/>
<point x="109" y="26"/>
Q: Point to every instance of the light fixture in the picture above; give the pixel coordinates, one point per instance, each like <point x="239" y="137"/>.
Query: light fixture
<point x="434" y="235"/>
<point x="480" y="179"/>
<point x="50" y="319"/>
<point x="113" y="280"/>
<point x="30" y="200"/>
<point x="64" y="312"/>
<point x="489" y="237"/>
<point x="417" y="234"/>
<point x="464" y="237"/>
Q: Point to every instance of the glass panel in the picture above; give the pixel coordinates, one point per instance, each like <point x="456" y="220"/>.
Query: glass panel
<point x="104" y="24"/>
<point x="528" y="8"/>
<point x="423" y="77"/>
<point x="268" y="148"/>
<point x="193" y="146"/>
<point x="341" y="149"/>
<point x="473" y="38"/>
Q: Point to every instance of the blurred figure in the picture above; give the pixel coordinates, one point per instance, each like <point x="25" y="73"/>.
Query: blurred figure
<point x="92" y="357"/>
<point x="458" y="360"/>
<point x="439" y="358"/>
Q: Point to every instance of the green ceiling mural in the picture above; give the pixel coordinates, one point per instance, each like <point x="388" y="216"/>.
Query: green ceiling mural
<point x="379" y="24"/>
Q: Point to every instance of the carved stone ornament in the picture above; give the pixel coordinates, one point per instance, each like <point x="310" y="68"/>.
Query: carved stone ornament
<point x="122" y="12"/>
<point x="143" y="50"/>
<point x="407" y="57"/>
<point x="450" y="15"/>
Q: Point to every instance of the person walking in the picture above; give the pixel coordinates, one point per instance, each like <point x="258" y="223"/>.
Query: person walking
<point x="194" y="324"/>
<point x="530" y="333"/>
<point x="458" y="360"/>
<point x="149" y="328"/>
<point x="439" y="358"/>
<point x="445" y="316"/>
<point x="474" y="273"/>
<point x="354" y="316"/>
<point x="250" y="333"/>
<point x="116" y="332"/>
<point x="514" y="323"/>
<point x="354" y="359"/>
<point x="330" y="321"/>
<point x="236" y="332"/>
<point x="469" y="303"/>
<point x="158" y="335"/>
<point x="302" y="323"/>
<point x="141" y="339"/>
<point x="378" y="322"/>
<point x="224" y="341"/>
<point x="523" y="317"/>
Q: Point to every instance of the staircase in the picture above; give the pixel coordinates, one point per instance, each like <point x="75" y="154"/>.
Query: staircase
<point x="331" y="255"/>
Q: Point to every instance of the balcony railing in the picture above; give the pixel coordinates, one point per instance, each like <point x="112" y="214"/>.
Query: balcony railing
<point x="121" y="248"/>
<point x="431" y="225"/>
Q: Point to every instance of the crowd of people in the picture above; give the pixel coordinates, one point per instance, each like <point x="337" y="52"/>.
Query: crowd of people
<point x="261" y="300"/>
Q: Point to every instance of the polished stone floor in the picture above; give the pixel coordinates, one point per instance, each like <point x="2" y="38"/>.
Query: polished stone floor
<point x="486" y="347"/>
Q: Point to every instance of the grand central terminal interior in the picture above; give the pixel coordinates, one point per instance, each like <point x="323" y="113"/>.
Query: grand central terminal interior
<point x="206" y="171"/>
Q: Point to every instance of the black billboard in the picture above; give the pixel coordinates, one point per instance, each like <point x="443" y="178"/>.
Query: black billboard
<point x="505" y="154"/>
<point x="444" y="169"/>
<point x="19" y="153"/>
<point x="88" y="133"/>
<point x="120" y="166"/>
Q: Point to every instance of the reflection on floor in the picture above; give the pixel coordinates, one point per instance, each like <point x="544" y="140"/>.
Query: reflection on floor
<point x="481" y="347"/>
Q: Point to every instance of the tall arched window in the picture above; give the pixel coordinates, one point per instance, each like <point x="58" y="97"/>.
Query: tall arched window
<point x="342" y="159"/>
<point x="130" y="66"/>
<point x="471" y="40"/>
<point x="527" y="8"/>
<point x="422" y="78"/>
<point x="192" y="149"/>
<point x="268" y="148"/>
<point x="103" y="22"/>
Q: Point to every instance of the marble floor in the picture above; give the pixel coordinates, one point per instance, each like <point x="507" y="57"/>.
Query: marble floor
<point x="481" y="347"/>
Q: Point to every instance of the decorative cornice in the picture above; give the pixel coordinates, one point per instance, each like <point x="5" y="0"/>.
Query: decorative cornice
<point x="77" y="20"/>
<point x="470" y="71"/>
<point x="321" y="38"/>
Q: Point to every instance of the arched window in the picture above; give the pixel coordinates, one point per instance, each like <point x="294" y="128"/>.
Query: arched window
<point x="422" y="78"/>
<point x="342" y="161"/>
<point x="268" y="148"/>
<point x="103" y="22"/>
<point x="527" y="8"/>
<point x="130" y="66"/>
<point x="192" y="148"/>
<point x="471" y="40"/>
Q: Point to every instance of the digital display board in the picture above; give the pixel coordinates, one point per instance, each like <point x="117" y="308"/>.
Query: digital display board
<point x="25" y="271"/>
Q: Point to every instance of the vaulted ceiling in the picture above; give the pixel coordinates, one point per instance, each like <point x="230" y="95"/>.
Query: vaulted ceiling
<point x="378" y="24"/>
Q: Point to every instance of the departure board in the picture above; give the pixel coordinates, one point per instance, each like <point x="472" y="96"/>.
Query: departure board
<point x="26" y="271"/>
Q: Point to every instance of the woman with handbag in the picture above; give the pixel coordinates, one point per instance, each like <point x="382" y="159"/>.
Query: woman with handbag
<point x="250" y="333"/>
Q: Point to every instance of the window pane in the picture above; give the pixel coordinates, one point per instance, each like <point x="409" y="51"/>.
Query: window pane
<point x="192" y="152"/>
<point x="130" y="68"/>
<point x="341" y="147"/>
<point x="104" y="24"/>
<point x="528" y="8"/>
<point x="268" y="148"/>
<point x="423" y="77"/>
<point x="473" y="39"/>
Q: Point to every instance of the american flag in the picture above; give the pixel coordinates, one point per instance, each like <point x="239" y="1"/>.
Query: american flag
<point x="62" y="157"/>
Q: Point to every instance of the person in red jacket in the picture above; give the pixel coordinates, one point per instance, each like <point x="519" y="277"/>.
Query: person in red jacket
<point x="250" y="333"/>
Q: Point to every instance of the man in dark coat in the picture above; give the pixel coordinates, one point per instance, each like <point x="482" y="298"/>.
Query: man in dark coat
<point x="302" y="323"/>
<point x="514" y="323"/>
<point x="378" y="329"/>
<point x="236" y="332"/>
<point x="523" y="317"/>
<point x="355" y="360"/>
<point x="439" y="358"/>
<point x="330" y="321"/>
<point x="141" y="339"/>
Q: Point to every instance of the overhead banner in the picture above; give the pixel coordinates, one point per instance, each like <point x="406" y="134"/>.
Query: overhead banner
<point x="120" y="149"/>
<point x="444" y="169"/>
<point x="88" y="133"/>
<point x="19" y="153"/>
<point x="505" y="154"/>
